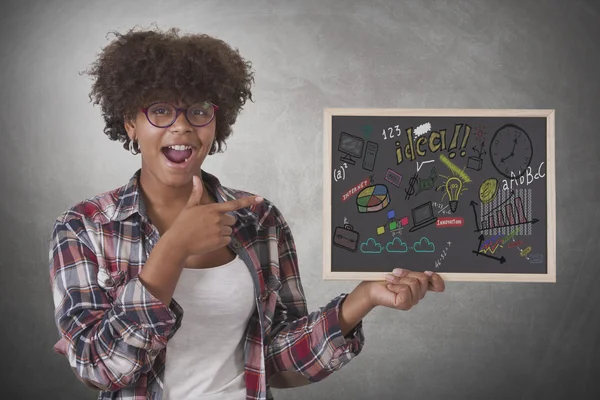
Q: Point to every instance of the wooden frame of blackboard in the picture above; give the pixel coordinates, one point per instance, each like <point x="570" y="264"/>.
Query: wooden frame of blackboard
<point x="329" y="113"/>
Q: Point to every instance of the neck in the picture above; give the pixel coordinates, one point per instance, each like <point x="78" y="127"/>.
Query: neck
<point x="157" y="195"/>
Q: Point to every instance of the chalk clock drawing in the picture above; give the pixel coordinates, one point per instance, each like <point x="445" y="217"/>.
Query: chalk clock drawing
<point x="511" y="151"/>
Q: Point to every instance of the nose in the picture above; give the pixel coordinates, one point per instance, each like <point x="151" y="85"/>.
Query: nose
<point x="181" y="124"/>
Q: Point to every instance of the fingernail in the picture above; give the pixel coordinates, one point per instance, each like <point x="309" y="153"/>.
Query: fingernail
<point x="389" y="278"/>
<point x="428" y="273"/>
<point x="259" y="199"/>
<point x="397" y="271"/>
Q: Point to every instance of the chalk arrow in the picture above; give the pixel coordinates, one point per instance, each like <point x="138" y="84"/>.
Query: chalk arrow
<point x="424" y="162"/>
<point x="533" y="221"/>
<point x="481" y="238"/>
<point x="473" y="204"/>
<point x="501" y="259"/>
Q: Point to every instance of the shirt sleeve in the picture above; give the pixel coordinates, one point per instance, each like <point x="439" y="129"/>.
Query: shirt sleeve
<point x="311" y="344"/>
<point x="107" y="342"/>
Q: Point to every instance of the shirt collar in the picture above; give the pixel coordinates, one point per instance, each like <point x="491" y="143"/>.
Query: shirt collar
<point x="129" y="200"/>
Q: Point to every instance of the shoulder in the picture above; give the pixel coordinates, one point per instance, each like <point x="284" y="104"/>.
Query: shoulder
<point x="95" y="210"/>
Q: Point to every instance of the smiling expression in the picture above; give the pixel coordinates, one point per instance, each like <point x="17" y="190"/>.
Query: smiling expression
<point x="172" y="154"/>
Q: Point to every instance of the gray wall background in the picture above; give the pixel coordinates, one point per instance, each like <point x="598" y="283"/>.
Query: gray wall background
<point x="476" y="340"/>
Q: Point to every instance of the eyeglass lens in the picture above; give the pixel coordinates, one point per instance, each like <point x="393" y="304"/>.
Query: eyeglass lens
<point x="164" y="114"/>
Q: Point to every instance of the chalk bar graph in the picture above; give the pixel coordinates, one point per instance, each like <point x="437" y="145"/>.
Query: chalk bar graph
<point x="509" y="211"/>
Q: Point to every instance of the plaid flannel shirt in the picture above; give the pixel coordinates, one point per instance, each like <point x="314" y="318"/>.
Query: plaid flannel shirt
<point x="114" y="332"/>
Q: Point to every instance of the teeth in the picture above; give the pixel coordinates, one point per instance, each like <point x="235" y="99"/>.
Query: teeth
<point x="185" y="160"/>
<point x="180" y="147"/>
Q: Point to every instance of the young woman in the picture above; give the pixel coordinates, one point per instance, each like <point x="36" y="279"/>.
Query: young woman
<point x="174" y="286"/>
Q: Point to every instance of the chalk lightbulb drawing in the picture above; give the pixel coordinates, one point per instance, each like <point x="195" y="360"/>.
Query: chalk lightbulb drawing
<point x="453" y="189"/>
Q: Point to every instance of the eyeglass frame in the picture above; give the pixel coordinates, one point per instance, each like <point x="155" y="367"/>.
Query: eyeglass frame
<point x="178" y="111"/>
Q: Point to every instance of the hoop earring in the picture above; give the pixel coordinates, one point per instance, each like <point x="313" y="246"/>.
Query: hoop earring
<point x="133" y="147"/>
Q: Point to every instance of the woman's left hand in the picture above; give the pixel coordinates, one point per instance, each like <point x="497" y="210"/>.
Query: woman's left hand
<point x="403" y="289"/>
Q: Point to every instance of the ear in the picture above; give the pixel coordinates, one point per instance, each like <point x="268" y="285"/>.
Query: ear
<point x="130" y="128"/>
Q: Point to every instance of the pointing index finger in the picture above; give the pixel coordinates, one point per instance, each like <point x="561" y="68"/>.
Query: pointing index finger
<point x="236" y="204"/>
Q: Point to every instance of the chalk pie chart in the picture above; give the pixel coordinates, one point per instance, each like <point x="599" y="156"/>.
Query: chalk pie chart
<point x="373" y="198"/>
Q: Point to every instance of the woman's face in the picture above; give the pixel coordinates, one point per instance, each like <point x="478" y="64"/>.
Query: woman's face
<point x="172" y="155"/>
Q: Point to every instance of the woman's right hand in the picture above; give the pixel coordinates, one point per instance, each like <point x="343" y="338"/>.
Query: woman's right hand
<point x="201" y="228"/>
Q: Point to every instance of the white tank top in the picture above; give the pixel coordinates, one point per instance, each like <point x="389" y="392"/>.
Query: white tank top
<point x="205" y="357"/>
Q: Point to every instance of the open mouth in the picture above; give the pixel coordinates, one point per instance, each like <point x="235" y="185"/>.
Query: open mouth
<point x="178" y="154"/>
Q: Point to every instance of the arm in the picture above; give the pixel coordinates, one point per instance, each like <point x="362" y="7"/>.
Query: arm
<point x="354" y="308"/>
<point x="163" y="268"/>
<point x="108" y="343"/>
<point x="287" y="380"/>
<point x="311" y="345"/>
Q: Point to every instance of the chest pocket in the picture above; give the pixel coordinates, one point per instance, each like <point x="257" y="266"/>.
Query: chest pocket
<point x="269" y="258"/>
<point x="272" y="285"/>
<point x="270" y="301"/>
<point x="119" y="260"/>
<point x="111" y="282"/>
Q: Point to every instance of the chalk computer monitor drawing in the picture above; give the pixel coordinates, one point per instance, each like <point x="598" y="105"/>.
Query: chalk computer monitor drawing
<point x="351" y="146"/>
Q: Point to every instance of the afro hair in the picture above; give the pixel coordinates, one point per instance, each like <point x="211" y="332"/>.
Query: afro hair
<point x="140" y="66"/>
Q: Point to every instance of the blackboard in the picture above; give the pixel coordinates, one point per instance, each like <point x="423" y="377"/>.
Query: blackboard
<point x="467" y="193"/>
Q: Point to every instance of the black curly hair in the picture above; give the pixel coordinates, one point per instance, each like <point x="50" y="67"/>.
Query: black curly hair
<point x="142" y="65"/>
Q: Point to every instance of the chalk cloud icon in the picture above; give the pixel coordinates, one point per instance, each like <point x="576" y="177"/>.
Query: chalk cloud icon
<point x="371" y="247"/>
<point x="424" y="246"/>
<point x="396" y="246"/>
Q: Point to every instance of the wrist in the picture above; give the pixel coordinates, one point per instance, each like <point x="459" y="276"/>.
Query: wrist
<point x="366" y="290"/>
<point x="172" y="241"/>
<point x="355" y="307"/>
